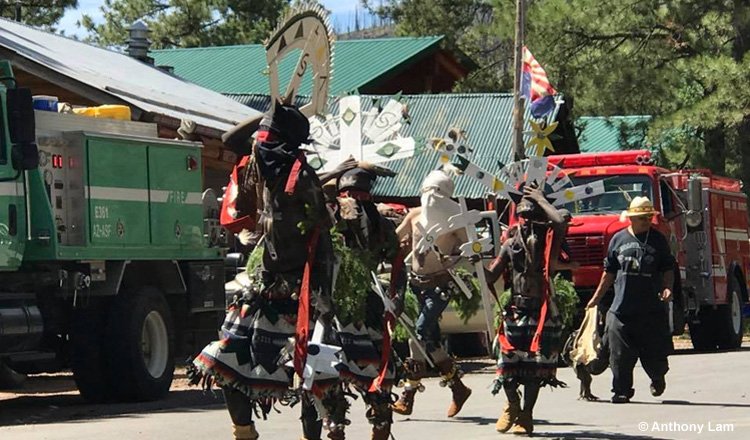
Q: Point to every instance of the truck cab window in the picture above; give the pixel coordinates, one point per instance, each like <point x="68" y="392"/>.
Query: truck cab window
<point x="618" y="192"/>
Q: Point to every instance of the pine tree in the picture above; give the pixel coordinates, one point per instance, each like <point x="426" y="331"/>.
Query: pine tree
<point x="40" y="13"/>
<point x="685" y="62"/>
<point x="187" y="23"/>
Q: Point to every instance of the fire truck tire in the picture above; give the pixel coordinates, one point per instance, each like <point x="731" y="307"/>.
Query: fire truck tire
<point x="141" y="355"/>
<point x="703" y="333"/>
<point x="730" y="322"/>
<point x="88" y="358"/>
<point x="10" y="379"/>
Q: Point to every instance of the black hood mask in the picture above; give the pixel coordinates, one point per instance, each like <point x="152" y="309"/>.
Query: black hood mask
<point x="287" y="128"/>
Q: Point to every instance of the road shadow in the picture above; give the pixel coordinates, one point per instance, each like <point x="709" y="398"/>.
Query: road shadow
<point x="480" y="365"/>
<point x="468" y="365"/>
<point x="44" y="409"/>
<point x="474" y="420"/>
<point x="577" y="431"/>
<point x="482" y="421"/>
<point x="673" y="402"/>
<point x="53" y="383"/>
<point x="689" y="403"/>
<point x="582" y="432"/>
<point x="686" y="351"/>
<point x="592" y="435"/>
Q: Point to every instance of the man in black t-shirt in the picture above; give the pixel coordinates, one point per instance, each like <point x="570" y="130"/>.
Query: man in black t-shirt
<point x="640" y="266"/>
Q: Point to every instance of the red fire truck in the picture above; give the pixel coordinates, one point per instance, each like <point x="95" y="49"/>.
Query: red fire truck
<point x="705" y="219"/>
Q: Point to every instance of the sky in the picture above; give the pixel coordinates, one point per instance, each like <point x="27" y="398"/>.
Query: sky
<point x="342" y="14"/>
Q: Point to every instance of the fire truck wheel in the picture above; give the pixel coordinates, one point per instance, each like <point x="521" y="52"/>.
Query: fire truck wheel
<point x="141" y="355"/>
<point x="703" y="333"/>
<point x="87" y="352"/>
<point x="10" y="379"/>
<point x="730" y="323"/>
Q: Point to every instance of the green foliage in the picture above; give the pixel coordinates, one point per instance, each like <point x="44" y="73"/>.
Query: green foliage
<point x="353" y="281"/>
<point x="187" y="23"/>
<point x="566" y="298"/>
<point x="685" y="62"/>
<point x="309" y="221"/>
<point x="467" y="307"/>
<point x="255" y="259"/>
<point x="411" y="309"/>
<point x="44" y="14"/>
<point x="682" y="61"/>
<point x="467" y="25"/>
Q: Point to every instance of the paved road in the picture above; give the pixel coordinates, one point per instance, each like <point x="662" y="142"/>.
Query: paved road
<point x="705" y="393"/>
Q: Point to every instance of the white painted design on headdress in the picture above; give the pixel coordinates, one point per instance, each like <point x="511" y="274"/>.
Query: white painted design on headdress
<point x="372" y="136"/>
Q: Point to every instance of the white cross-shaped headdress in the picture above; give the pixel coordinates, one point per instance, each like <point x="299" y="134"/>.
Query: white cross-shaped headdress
<point x="368" y="135"/>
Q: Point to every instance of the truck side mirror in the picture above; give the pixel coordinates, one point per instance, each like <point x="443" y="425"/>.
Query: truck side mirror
<point x="21" y="116"/>
<point x="694" y="216"/>
<point x="695" y="194"/>
<point x="22" y="130"/>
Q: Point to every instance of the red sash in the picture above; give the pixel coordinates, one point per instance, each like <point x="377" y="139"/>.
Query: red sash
<point x="397" y="266"/>
<point x="545" y="300"/>
<point x="291" y="182"/>
<point x="303" y="309"/>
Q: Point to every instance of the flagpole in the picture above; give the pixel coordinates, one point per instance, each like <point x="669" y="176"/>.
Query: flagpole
<point x="518" y="108"/>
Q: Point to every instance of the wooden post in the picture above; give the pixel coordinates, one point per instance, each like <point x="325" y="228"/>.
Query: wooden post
<point x="518" y="100"/>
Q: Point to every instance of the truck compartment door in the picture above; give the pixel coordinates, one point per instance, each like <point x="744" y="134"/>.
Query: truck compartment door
<point x="175" y="192"/>
<point x="12" y="200"/>
<point x="118" y="192"/>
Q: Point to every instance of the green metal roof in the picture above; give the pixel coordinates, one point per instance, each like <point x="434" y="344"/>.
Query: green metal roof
<point x="601" y="134"/>
<point x="262" y="102"/>
<point x="240" y="69"/>
<point x="485" y="117"/>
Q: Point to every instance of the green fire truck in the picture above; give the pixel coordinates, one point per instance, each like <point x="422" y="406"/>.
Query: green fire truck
<point x="105" y="267"/>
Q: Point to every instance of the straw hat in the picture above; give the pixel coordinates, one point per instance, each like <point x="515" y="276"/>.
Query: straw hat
<point x="638" y="206"/>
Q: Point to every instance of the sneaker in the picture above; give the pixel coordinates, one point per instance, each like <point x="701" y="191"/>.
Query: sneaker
<point x="657" y="387"/>
<point x="620" y="398"/>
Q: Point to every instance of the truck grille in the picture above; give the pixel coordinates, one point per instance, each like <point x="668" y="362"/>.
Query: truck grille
<point x="586" y="250"/>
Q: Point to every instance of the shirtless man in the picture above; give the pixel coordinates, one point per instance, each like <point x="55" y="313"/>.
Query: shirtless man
<point x="433" y="286"/>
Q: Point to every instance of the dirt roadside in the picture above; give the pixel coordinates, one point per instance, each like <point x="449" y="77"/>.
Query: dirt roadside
<point x="48" y="398"/>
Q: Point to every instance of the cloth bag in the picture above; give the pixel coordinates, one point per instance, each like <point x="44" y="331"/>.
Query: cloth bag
<point x="587" y="345"/>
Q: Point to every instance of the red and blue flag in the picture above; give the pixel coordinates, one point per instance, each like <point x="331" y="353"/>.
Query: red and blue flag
<point x="536" y="87"/>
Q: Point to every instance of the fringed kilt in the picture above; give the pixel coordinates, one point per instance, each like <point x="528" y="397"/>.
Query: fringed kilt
<point x="362" y="346"/>
<point x="515" y="361"/>
<point x="254" y="349"/>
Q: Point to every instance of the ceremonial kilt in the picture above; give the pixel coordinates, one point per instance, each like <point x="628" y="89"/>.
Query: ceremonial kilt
<point x="515" y="361"/>
<point x="256" y="346"/>
<point x="362" y="345"/>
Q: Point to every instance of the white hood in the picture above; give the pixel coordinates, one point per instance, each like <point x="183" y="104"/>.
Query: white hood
<point x="437" y="189"/>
